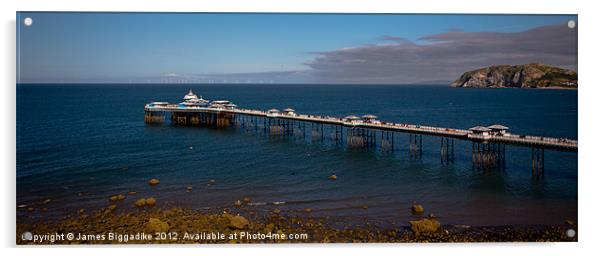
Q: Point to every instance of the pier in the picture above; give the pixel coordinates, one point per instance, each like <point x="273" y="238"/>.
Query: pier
<point x="488" y="143"/>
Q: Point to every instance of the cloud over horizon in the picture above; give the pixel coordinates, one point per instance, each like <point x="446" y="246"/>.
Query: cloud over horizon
<point x="445" y="56"/>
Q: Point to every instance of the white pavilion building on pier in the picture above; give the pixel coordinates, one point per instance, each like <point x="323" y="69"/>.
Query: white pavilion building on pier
<point x="190" y="96"/>
<point x="191" y="99"/>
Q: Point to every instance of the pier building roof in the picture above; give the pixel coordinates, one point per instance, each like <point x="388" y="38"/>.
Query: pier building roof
<point x="497" y="127"/>
<point x="369" y="116"/>
<point x="479" y="129"/>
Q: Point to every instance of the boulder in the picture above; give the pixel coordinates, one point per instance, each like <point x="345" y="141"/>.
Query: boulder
<point x="150" y="201"/>
<point x="238" y="222"/>
<point x="156" y="225"/>
<point x="140" y="202"/>
<point x="417" y="209"/>
<point x="153" y="182"/>
<point x="425" y="226"/>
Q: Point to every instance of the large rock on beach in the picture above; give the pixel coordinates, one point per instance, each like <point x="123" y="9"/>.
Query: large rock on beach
<point x="425" y="226"/>
<point x="417" y="209"/>
<point x="156" y="225"/>
<point x="140" y="202"/>
<point x="151" y="201"/>
<point x="238" y="222"/>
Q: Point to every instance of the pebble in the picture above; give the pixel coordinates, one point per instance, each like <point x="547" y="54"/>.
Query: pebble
<point x="238" y="203"/>
<point x="119" y="197"/>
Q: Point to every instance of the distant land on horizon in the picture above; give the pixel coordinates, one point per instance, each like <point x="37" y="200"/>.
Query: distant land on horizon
<point x="434" y="83"/>
<point x="533" y="75"/>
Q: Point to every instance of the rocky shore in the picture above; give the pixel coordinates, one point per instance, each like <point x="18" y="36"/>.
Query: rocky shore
<point x="177" y="225"/>
<point x="146" y="222"/>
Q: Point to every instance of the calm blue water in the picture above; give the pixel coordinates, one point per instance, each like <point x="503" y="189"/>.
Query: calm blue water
<point x="73" y="143"/>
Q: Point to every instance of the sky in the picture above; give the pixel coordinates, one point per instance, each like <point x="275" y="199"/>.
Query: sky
<point x="282" y="48"/>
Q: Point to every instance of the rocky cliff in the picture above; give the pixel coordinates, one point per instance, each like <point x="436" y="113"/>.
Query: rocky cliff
<point x="519" y="76"/>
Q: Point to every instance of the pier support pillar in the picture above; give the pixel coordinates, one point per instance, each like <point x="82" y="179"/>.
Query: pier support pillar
<point x="357" y="138"/>
<point x="387" y="141"/>
<point x="337" y="134"/>
<point x="488" y="155"/>
<point x="537" y="161"/>
<point x="447" y="150"/>
<point x="154" y="117"/>
<point x="415" y="145"/>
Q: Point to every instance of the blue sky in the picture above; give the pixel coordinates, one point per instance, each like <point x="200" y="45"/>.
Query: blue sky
<point x="122" y="47"/>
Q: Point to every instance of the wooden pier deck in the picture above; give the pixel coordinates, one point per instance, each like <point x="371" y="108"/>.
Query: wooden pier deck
<point x="559" y="144"/>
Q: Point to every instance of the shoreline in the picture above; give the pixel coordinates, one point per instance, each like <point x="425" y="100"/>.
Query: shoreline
<point x="187" y="226"/>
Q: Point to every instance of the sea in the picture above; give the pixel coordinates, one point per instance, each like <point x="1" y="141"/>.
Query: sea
<point x="79" y="144"/>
